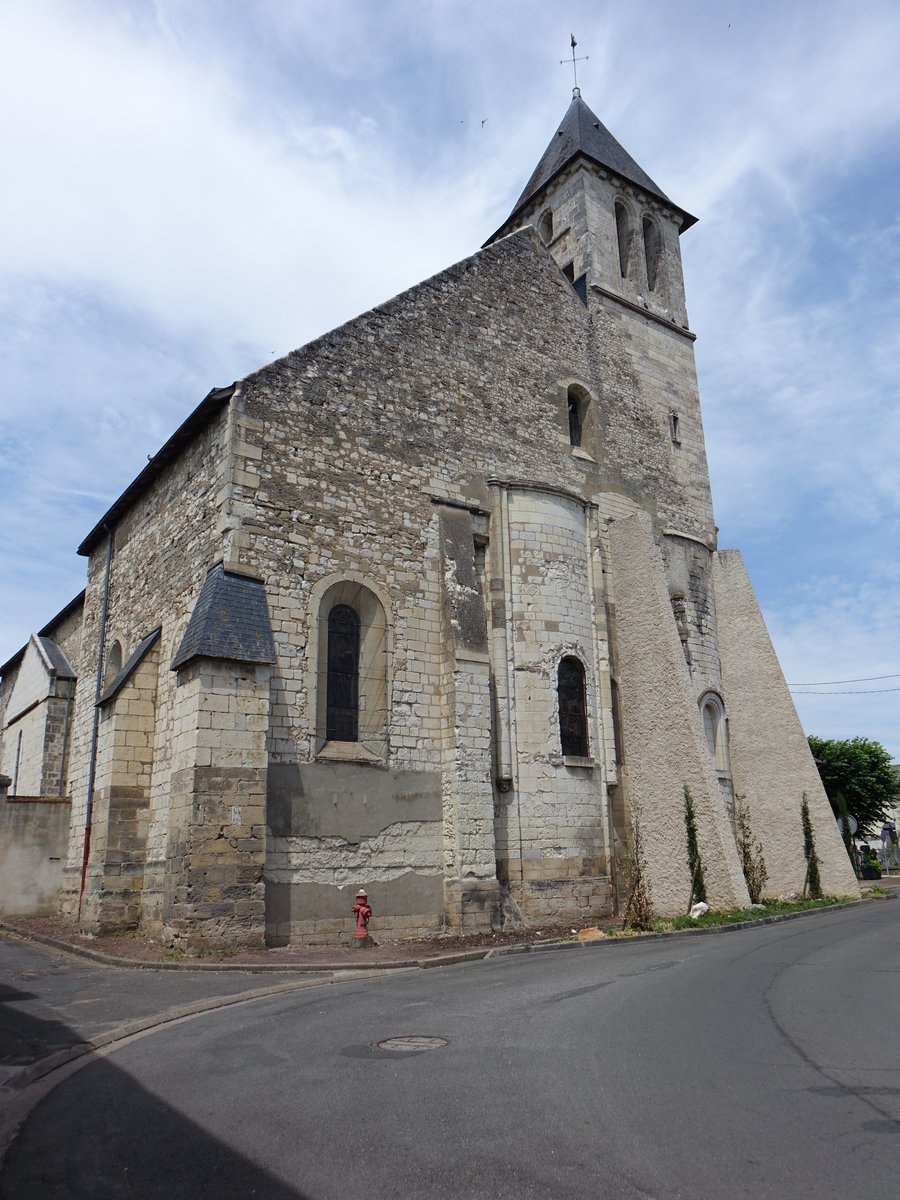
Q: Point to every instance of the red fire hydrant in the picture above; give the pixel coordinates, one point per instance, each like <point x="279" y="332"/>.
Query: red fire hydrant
<point x="362" y="910"/>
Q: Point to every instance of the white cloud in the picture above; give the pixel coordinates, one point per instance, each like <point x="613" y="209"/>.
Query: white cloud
<point x="196" y="186"/>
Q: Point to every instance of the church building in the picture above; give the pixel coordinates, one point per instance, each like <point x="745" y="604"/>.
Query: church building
<point x="432" y="606"/>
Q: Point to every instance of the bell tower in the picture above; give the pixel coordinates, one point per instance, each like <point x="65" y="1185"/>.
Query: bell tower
<point x="611" y="229"/>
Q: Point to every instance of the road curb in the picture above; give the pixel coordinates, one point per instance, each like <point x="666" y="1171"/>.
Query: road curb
<point x="189" y="964"/>
<point x="637" y="939"/>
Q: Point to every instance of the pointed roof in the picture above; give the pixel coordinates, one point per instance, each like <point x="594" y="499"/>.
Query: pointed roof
<point x="581" y="133"/>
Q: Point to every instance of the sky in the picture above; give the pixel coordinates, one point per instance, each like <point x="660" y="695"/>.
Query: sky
<point x="194" y="187"/>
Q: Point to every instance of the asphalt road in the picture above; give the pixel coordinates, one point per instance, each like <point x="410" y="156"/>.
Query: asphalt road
<point x="757" y="1064"/>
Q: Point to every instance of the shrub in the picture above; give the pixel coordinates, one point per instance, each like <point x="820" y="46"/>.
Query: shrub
<point x="752" y="862"/>
<point x="698" y="884"/>
<point x="639" y="910"/>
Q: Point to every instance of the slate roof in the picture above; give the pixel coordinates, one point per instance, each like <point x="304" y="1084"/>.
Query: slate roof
<point x="230" y="620"/>
<point x="57" y="659"/>
<point x="582" y="133"/>
<point x="135" y="659"/>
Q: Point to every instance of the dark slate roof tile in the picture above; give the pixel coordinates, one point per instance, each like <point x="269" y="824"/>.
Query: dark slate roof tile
<point x="581" y="133"/>
<point x="57" y="659"/>
<point x="230" y="620"/>
<point x="135" y="659"/>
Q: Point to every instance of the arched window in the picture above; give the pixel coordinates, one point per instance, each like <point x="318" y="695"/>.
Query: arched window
<point x="545" y="226"/>
<point x="651" y="251"/>
<point x="570" y="691"/>
<point x="342" y="687"/>
<point x="577" y="401"/>
<point x="623" y="236"/>
<point x="574" y="419"/>
<point x="113" y="662"/>
<point x="714" y="727"/>
<point x="349" y="697"/>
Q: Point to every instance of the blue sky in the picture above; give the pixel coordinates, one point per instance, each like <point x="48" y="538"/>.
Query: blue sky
<point x="196" y="186"/>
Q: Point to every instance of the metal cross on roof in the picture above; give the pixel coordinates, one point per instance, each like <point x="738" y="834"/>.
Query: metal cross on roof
<point x="574" y="61"/>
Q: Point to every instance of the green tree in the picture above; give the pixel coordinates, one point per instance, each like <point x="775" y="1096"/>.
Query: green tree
<point x="860" y="771"/>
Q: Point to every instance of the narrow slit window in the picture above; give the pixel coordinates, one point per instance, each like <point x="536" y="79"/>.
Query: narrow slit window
<point x="342" y="687"/>
<point x="570" y="691"/>
<point x="622" y="237"/>
<point x="676" y="435"/>
<point x="569" y="272"/>
<point x="575" y="419"/>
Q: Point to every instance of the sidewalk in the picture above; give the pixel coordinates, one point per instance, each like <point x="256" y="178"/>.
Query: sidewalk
<point x="441" y="950"/>
<point x="142" y="953"/>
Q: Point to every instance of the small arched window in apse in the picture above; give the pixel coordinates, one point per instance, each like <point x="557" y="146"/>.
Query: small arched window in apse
<point x="342" y="684"/>
<point x="623" y="233"/>
<point x="714" y="728"/>
<point x="572" y="700"/>
<point x="651" y="251"/>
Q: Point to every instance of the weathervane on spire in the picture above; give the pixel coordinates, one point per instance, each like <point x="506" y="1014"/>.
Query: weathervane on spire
<point x="575" y="60"/>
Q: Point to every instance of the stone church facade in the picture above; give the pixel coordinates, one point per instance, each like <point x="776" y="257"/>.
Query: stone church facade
<point x="432" y="605"/>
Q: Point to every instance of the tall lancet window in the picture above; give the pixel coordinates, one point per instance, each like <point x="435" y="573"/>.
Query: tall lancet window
<point x="623" y="237"/>
<point x="575" y="418"/>
<point x="342" y="699"/>
<point x="570" y="693"/>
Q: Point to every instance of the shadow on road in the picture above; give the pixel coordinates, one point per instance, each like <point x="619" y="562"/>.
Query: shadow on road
<point x="98" y="1137"/>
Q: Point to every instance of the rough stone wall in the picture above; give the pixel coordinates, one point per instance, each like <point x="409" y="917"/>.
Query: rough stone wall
<point x="664" y="744"/>
<point x="32" y="850"/>
<point x="214" y="891"/>
<point x="771" y="762"/>
<point x="163" y="548"/>
<point x="347" y="443"/>
<point x="471" y="892"/>
<point x="115" y="875"/>
<point x="582" y="200"/>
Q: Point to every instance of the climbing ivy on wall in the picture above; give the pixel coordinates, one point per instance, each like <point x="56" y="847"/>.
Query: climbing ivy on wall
<point x="698" y="884"/>
<point x="809" y="851"/>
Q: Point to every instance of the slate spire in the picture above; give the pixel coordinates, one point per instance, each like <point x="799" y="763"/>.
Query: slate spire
<point x="582" y="134"/>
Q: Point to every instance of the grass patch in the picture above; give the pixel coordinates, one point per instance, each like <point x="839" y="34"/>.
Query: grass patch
<point x="731" y="916"/>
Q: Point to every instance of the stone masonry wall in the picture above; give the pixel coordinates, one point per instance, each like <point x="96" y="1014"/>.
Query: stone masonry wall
<point x="163" y="548"/>
<point x="552" y="824"/>
<point x="115" y="875"/>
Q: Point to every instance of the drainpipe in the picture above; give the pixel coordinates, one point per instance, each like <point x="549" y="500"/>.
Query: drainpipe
<point x="93" y="763"/>
<point x="15" y="790"/>
<point x="65" y="744"/>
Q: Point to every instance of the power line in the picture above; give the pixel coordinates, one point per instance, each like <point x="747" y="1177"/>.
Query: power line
<point x="850" y="691"/>
<point x="829" y="682"/>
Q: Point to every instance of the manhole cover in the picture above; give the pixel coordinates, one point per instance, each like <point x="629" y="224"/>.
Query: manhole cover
<point x="412" y="1044"/>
